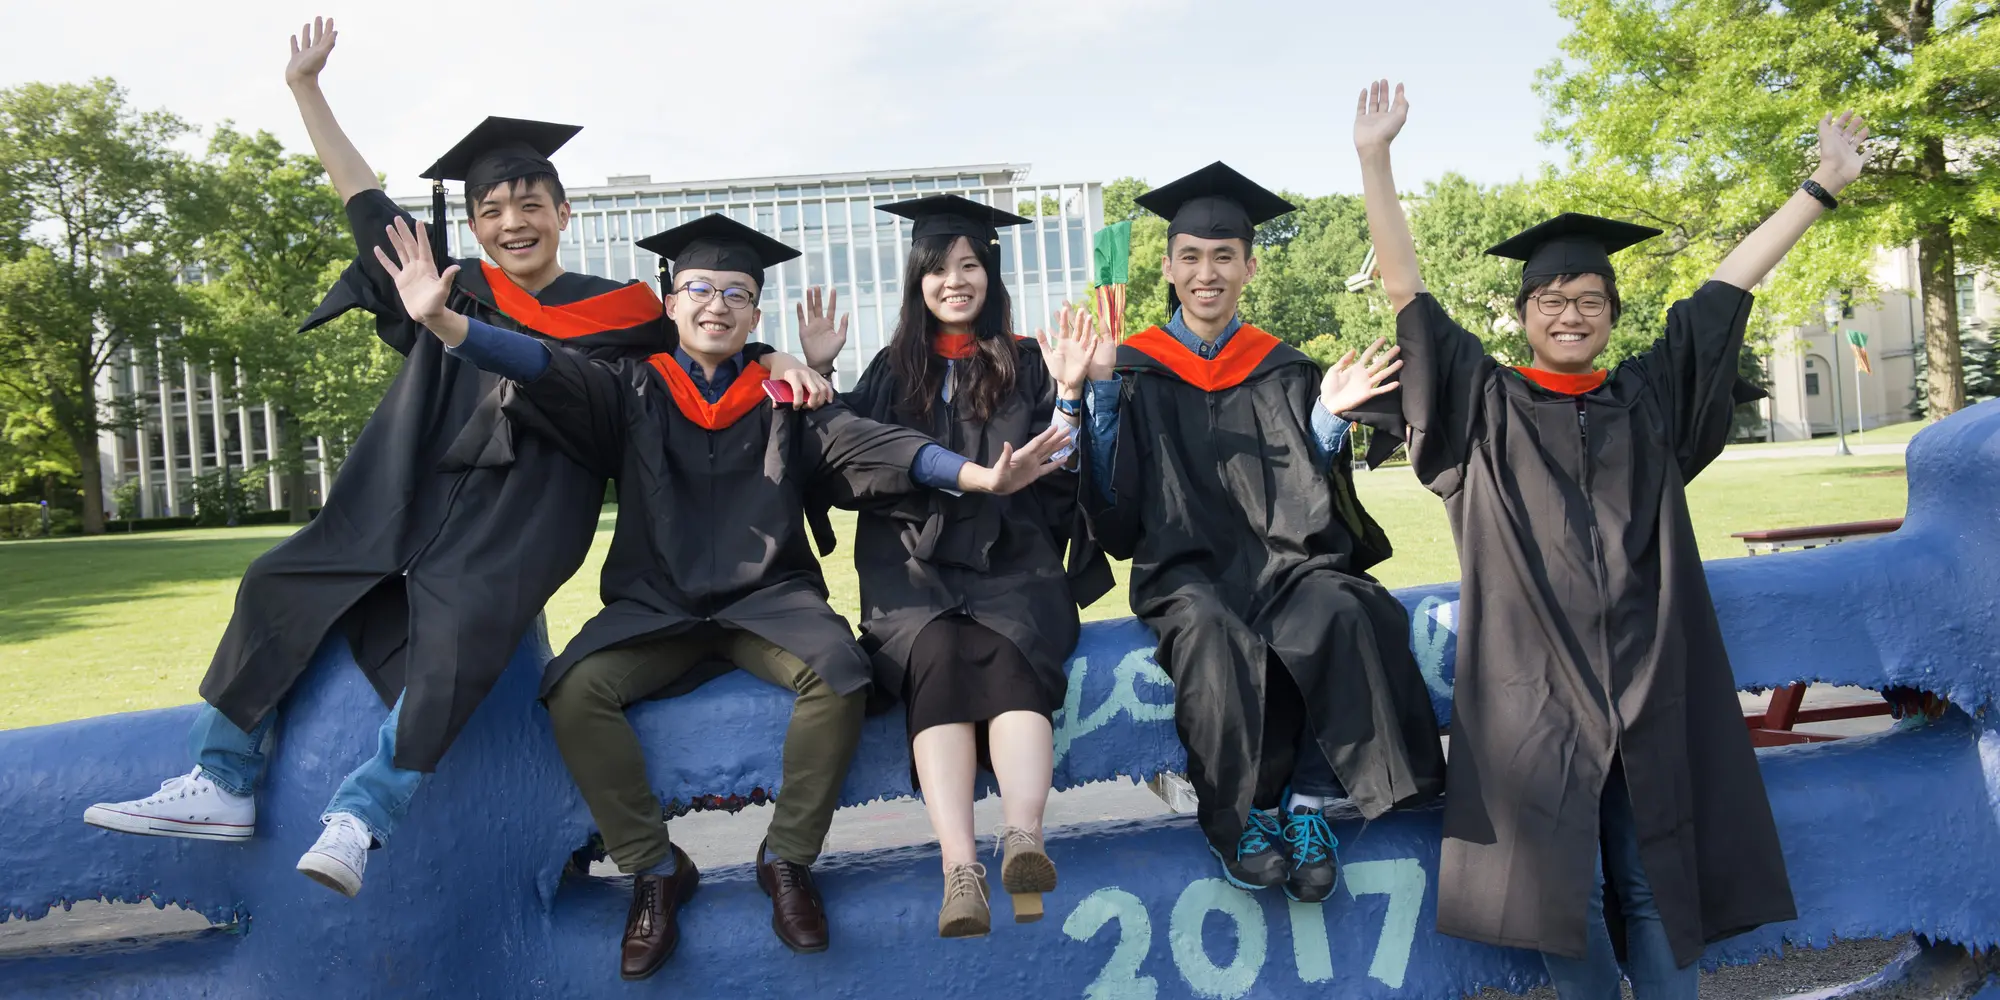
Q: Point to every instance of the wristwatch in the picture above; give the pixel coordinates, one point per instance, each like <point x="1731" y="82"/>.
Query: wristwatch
<point x="1072" y="407"/>
<point x="1812" y="187"/>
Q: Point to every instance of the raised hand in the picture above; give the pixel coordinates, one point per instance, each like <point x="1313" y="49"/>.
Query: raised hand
<point x="1842" y="153"/>
<point x="310" y="47"/>
<point x="1350" y="383"/>
<point x="1016" y="468"/>
<point x="1379" y="116"/>
<point x="1104" y="348"/>
<point x="819" y="337"/>
<point x="425" y="291"/>
<point x="1068" y="354"/>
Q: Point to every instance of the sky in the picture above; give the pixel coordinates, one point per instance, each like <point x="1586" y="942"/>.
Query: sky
<point x="1083" y="90"/>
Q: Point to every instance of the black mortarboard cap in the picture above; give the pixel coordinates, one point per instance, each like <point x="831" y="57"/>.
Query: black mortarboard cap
<point x="499" y="149"/>
<point x="1572" y="243"/>
<point x="716" y="242"/>
<point x="1214" y="203"/>
<point x="953" y="215"/>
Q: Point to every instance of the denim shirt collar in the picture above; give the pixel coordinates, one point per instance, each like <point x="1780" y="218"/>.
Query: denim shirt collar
<point x="1193" y="342"/>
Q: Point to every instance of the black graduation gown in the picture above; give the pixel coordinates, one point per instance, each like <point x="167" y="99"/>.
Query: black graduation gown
<point x="444" y="534"/>
<point x="998" y="560"/>
<point x="1586" y="633"/>
<point x="1242" y="552"/>
<point x="711" y="521"/>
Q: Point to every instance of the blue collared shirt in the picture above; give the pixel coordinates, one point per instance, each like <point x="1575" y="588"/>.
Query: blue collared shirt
<point x="711" y="389"/>
<point x="1329" y="432"/>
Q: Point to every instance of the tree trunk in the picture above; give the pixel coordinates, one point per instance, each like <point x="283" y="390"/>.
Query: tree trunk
<point x="1937" y="264"/>
<point x="1944" y="379"/>
<point x="292" y="466"/>
<point x="81" y="428"/>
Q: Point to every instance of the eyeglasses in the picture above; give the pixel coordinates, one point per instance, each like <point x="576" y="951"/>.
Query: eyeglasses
<point x="701" y="293"/>
<point x="1590" y="304"/>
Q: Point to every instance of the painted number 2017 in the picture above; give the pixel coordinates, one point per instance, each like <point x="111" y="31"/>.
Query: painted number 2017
<point x="1401" y="879"/>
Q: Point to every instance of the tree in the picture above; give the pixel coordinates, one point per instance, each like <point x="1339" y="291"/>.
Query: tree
<point x="1696" y="116"/>
<point x="274" y="238"/>
<point x="90" y="186"/>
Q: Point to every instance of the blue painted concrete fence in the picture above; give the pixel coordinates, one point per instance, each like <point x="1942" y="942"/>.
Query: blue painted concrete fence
<point x="1884" y="835"/>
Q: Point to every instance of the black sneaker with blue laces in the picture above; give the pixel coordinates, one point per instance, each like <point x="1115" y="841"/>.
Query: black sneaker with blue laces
<point x="1260" y="857"/>
<point x="1315" y="858"/>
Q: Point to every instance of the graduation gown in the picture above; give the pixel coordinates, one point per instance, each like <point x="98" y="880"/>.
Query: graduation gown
<point x="1586" y="633"/>
<point x="444" y="533"/>
<point x="711" y="504"/>
<point x="1244" y="553"/>
<point x="998" y="560"/>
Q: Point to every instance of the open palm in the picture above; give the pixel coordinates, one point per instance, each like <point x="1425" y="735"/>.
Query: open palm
<point x="1841" y="145"/>
<point x="1070" y="351"/>
<point x="1351" y="382"/>
<point x="310" y="47"/>
<point x="1379" y="115"/>
<point x="820" y="337"/>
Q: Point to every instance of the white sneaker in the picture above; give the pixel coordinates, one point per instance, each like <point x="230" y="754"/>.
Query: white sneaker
<point x="340" y="855"/>
<point x="188" y="805"/>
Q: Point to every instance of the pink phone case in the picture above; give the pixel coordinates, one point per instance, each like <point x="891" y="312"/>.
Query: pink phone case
<point x="779" y="390"/>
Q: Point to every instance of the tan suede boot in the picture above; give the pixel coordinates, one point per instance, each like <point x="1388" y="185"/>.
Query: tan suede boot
<point x="965" y="912"/>
<point x="1025" y="872"/>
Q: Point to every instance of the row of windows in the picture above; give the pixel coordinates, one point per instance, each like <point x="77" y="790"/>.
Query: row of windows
<point x="814" y="191"/>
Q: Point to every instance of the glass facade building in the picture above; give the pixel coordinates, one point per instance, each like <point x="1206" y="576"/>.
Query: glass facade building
<point x="848" y="245"/>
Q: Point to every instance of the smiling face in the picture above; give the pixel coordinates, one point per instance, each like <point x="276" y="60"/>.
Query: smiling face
<point x="955" y="290"/>
<point x="713" y="331"/>
<point x="1569" y="341"/>
<point x="1208" y="276"/>
<point x="519" y="225"/>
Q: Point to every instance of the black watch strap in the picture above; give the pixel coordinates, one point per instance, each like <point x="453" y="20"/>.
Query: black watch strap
<point x="1812" y="187"/>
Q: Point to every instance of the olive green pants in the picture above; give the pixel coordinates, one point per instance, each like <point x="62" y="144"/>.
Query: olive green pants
<point x="587" y="710"/>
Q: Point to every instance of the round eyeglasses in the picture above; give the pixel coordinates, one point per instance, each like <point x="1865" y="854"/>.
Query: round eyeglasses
<point x="1591" y="304"/>
<point x="701" y="293"/>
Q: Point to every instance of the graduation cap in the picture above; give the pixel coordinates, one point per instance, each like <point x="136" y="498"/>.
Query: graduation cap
<point x="499" y="149"/>
<point x="953" y="215"/>
<point x="1571" y="243"/>
<point x="1214" y="203"/>
<point x="716" y="242"/>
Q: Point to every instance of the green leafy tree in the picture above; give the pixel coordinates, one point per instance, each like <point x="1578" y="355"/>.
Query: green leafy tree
<point x="1696" y="116"/>
<point x="275" y="237"/>
<point x="91" y="188"/>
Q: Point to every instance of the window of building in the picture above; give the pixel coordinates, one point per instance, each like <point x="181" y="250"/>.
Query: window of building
<point x="1968" y="300"/>
<point x="1812" y="383"/>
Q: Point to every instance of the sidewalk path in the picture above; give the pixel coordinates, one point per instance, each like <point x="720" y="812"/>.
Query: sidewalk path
<point x="1812" y="449"/>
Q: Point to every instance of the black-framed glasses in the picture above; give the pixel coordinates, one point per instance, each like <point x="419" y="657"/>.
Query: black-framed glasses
<point x="1591" y="304"/>
<point x="701" y="293"/>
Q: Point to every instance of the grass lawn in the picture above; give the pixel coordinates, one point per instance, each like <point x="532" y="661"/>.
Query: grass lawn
<point x="90" y="626"/>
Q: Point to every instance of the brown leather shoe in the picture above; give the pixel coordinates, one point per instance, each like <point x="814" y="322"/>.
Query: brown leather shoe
<point x="797" y="915"/>
<point x="652" y="925"/>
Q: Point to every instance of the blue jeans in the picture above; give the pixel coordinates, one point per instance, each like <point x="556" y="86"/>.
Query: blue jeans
<point x="378" y="792"/>
<point x="1649" y="957"/>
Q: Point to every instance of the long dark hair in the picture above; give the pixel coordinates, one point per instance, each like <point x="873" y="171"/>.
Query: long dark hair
<point x="983" y="381"/>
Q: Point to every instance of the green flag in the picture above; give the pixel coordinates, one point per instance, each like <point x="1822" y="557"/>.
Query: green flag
<point x="1859" y="341"/>
<point x="1112" y="253"/>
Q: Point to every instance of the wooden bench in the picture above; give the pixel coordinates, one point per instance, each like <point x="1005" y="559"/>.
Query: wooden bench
<point x="1814" y="536"/>
<point x="1773" y="726"/>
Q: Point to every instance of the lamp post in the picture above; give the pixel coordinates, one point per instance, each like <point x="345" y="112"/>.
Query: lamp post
<point x="1833" y="358"/>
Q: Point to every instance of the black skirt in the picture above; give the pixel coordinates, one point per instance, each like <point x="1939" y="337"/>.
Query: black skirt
<point x="962" y="671"/>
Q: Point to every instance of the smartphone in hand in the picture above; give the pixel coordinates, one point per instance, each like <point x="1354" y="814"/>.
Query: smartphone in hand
<point x="780" y="392"/>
